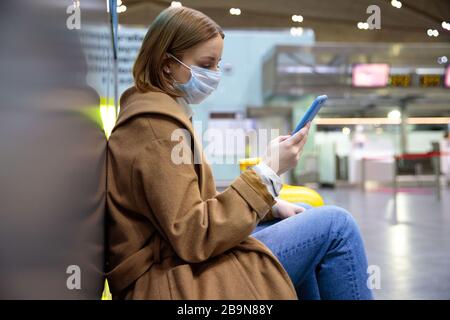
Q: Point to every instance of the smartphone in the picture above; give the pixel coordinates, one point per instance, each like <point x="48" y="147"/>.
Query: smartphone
<point x="311" y="112"/>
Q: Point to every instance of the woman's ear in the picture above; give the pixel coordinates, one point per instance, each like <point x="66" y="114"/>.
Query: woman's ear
<point x="166" y="66"/>
<point x="166" y="62"/>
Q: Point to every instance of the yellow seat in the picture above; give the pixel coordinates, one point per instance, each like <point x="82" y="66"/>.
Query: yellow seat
<point x="301" y="194"/>
<point x="288" y="192"/>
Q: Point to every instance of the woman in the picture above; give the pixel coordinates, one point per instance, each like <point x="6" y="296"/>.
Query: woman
<point x="170" y="234"/>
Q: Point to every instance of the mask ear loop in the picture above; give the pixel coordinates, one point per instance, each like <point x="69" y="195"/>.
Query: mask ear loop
<point x="170" y="74"/>
<point x="179" y="61"/>
<point x="190" y="69"/>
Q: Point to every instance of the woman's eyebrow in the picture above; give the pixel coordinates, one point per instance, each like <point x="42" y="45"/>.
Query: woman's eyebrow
<point x="210" y="57"/>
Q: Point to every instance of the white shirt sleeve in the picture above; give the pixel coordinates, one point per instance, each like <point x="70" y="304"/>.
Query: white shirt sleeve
<point x="269" y="178"/>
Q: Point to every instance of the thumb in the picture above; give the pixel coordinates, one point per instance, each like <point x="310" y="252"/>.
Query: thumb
<point x="299" y="209"/>
<point x="282" y="138"/>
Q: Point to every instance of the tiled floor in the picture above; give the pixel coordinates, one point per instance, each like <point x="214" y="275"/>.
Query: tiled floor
<point x="411" y="247"/>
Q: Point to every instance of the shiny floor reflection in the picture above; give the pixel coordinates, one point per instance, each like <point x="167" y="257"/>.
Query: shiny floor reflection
<point x="411" y="245"/>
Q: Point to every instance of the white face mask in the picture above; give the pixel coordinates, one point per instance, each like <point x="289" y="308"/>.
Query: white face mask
<point x="201" y="84"/>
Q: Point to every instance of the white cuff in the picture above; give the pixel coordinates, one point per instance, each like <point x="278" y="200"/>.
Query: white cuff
<point x="269" y="177"/>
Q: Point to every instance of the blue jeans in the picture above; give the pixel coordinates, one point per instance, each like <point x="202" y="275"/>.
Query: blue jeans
<point x="322" y="251"/>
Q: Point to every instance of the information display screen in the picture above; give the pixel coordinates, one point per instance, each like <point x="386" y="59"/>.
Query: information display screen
<point x="370" y="75"/>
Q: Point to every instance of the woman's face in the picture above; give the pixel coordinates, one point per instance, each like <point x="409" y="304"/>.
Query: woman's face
<point x="205" y="55"/>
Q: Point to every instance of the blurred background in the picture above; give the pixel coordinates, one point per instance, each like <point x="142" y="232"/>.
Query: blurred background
<point x="379" y="148"/>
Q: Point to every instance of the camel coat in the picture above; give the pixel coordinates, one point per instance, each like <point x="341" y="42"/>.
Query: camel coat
<point x="170" y="234"/>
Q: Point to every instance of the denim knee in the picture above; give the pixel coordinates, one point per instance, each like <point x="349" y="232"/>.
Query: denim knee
<point x="342" y="220"/>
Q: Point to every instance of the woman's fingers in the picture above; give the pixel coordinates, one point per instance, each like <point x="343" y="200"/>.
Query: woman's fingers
<point x="300" y="136"/>
<point x="282" y="138"/>
<point x="303" y="141"/>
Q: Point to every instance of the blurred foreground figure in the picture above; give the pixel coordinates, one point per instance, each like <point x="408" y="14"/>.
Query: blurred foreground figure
<point x="52" y="158"/>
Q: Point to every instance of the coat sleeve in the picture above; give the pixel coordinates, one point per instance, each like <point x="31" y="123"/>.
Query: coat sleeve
<point x="196" y="228"/>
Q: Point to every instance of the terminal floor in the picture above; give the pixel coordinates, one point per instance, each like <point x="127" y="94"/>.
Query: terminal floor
<point x="410" y="245"/>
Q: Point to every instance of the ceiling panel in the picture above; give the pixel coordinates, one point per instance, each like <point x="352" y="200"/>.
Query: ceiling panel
<point x="332" y="20"/>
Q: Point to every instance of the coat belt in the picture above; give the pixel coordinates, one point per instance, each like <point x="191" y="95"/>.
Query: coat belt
<point x="129" y="270"/>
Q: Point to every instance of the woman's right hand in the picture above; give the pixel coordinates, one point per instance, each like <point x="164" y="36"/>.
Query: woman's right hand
<point x="283" y="152"/>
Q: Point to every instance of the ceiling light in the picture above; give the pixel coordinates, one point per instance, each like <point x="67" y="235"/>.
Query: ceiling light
<point x="363" y="25"/>
<point x="394" y="115"/>
<point x="432" y="32"/>
<point x="346" y="131"/>
<point x="446" y="25"/>
<point x="176" y="4"/>
<point x="235" y="11"/>
<point x="377" y="121"/>
<point x="442" y="60"/>
<point x="297" y="18"/>
<point x="396" y="4"/>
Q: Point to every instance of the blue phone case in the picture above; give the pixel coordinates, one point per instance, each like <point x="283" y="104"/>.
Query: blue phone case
<point x="311" y="112"/>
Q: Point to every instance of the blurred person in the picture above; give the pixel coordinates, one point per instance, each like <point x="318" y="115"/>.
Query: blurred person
<point x="53" y="158"/>
<point x="171" y="235"/>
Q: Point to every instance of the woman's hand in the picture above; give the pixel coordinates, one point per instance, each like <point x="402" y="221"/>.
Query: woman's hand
<point x="284" y="152"/>
<point x="284" y="209"/>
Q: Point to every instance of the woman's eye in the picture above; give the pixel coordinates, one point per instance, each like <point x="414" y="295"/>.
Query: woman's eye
<point x="210" y="67"/>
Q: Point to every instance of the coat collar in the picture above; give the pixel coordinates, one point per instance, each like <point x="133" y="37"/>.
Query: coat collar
<point x="186" y="107"/>
<point x="133" y="103"/>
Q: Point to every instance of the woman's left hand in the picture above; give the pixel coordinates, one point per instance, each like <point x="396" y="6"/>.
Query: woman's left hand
<point x="284" y="209"/>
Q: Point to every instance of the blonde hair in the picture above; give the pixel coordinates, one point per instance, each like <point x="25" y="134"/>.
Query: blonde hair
<point x="174" y="30"/>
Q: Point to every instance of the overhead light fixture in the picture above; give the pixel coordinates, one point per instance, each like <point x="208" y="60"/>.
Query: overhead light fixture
<point x="363" y="25"/>
<point x="346" y="131"/>
<point x="446" y="25"/>
<point x="432" y="32"/>
<point x="379" y="121"/>
<point x="120" y="6"/>
<point x="176" y="4"/>
<point x="396" y="4"/>
<point x="296" y="31"/>
<point x="394" y="115"/>
<point x="442" y="60"/>
<point x="297" y="18"/>
<point x="429" y="120"/>
<point x="235" y="11"/>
